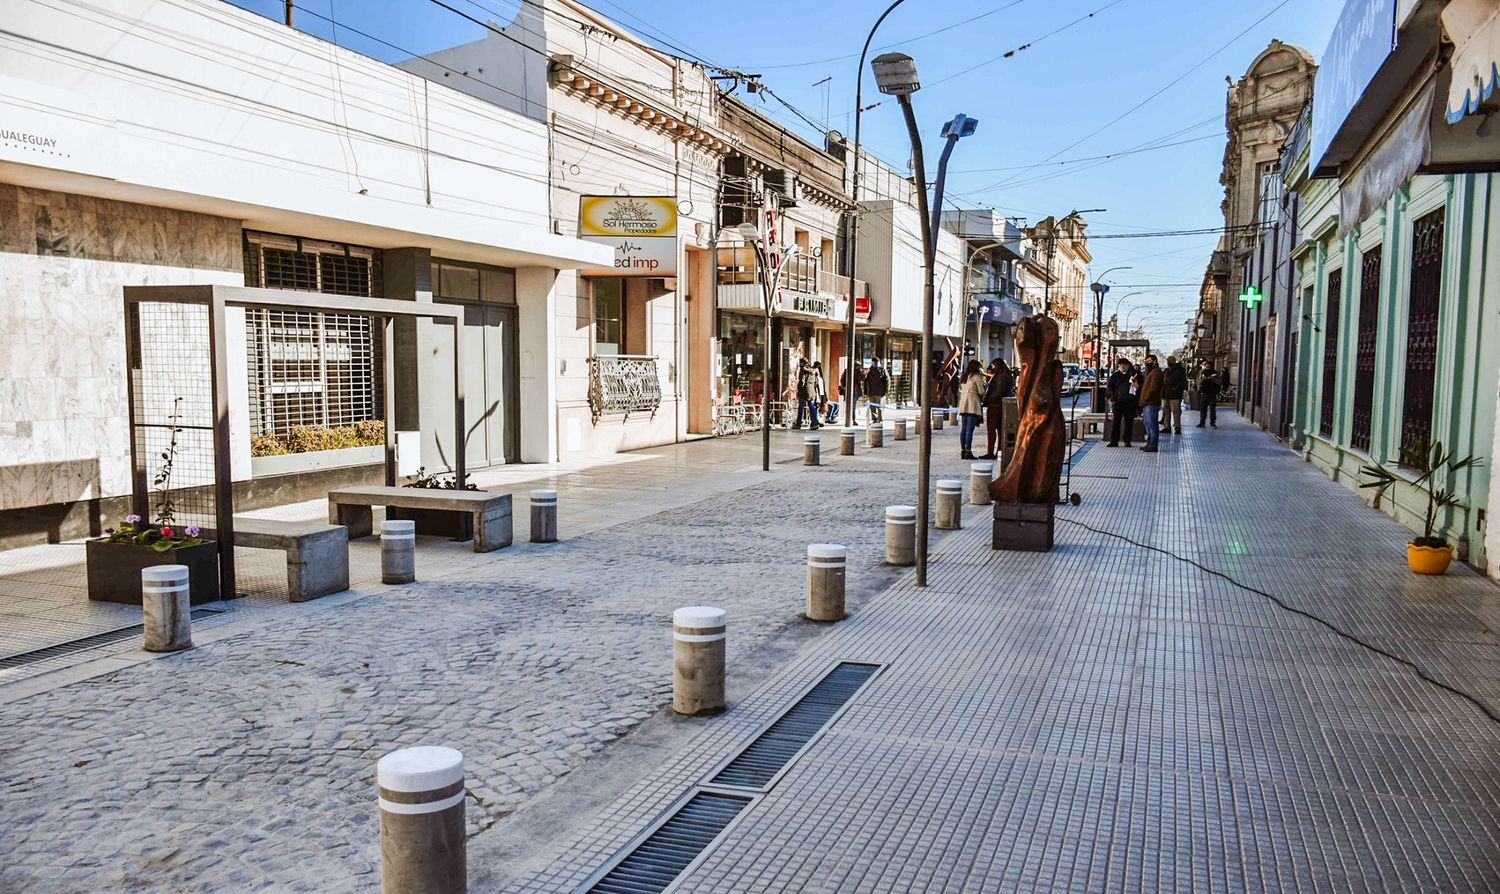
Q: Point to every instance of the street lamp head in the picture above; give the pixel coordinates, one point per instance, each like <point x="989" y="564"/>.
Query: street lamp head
<point x="961" y="126"/>
<point x="1099" y="288"/>
<point x="793" y="251"/>
<point x="896" y="74"/>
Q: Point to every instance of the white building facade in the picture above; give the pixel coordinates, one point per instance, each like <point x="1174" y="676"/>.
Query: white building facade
<point x="154" y="142"/>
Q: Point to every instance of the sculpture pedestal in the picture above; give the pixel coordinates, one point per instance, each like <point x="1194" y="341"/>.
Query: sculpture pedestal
<point x="1023" y="527"/>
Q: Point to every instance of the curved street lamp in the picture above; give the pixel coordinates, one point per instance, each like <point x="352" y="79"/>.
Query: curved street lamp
<point x="770" y="286"/>
<point x="896" y="75"/>
<point x="853" y="239"/>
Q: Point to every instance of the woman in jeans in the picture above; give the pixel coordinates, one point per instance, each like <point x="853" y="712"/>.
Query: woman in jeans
<point x="970" y="406"/>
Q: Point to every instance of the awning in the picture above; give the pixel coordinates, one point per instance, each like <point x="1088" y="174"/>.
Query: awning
<point x="1393" y="162"/>
<point x="1474" y="28"/>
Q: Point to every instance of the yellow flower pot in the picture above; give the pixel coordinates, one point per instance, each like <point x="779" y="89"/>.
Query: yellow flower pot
<point x="1428" y="559"/>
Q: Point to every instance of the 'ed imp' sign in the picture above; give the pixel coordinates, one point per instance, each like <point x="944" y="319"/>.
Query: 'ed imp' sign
<point x="642" y="229"/>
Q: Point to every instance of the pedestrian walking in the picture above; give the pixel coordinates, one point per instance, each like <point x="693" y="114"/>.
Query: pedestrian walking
<point x="1121" y="392"/>
<point x="807" y="395"/>
<point x="970" y="407"/>
<point x="877" y="386"/>
<point x="1174" y="388"/>
<point x="1208" y="395"/>
<point x="1152" y="386"/>
<point x="1002" y="382"/>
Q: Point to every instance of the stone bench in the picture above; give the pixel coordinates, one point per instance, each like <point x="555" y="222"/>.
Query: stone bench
<point x="490" y="512"/>
<point x="1088" y="425"/>
<point x="317" y="555"/>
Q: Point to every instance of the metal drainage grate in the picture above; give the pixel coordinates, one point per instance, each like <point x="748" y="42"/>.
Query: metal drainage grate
<point x="660" y="857"/>
<point x="106" y="638"/>
<point x="774" y="749"/>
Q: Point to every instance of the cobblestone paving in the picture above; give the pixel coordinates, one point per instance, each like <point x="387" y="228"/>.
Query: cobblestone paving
<point x="248" y="764"/>
<point x="1105" y="718"/>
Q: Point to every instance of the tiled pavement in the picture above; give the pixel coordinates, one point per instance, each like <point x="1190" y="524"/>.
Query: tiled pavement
<point x="1104" y="718"/>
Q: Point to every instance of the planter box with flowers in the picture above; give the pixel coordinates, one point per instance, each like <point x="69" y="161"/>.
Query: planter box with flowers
<point x="115" y="560"/>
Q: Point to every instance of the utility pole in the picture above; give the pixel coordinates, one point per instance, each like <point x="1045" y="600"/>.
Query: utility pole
<point x="289" y="7"/>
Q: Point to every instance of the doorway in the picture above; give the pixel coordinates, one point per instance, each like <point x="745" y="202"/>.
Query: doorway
<point x="490" y="408"/>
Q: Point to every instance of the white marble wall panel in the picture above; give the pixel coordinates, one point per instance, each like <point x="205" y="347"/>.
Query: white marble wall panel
<point x="64" y="261"/>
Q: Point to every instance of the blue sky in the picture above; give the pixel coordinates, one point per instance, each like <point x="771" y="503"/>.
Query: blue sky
<point x="1056" y="100"/>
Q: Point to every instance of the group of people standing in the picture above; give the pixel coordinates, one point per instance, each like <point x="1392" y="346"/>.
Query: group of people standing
<point x="812" y="393"/>
<point x="1157" y="395"/>
<point x="981" y="398"/>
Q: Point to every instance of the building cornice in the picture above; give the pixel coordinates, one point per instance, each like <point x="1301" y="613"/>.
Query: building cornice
<point x="588" y="87"/>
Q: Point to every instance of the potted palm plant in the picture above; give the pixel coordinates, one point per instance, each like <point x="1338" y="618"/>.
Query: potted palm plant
<point x="114" y="561"/>
<point x="1434" y="467"/>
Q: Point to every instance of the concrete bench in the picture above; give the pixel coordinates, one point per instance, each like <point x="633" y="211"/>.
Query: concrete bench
<point x="317" y="556"/>
<point x="490" y="512"/>
<point x="1088" y="425"/>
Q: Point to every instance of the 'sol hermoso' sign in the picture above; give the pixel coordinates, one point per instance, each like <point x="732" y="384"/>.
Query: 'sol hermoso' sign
<point x="642" y="229"/>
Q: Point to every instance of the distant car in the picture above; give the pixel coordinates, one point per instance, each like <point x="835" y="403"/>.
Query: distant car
<point x="1071" y="374"/>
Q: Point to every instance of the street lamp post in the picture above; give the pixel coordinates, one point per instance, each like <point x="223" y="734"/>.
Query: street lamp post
<point x="853" y="238"/>
<point x="770" y="284"/>
<point x="896" y="75"/>
<point x="1100" y="289"/>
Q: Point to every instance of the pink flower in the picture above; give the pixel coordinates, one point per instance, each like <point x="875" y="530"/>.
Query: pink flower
<point x="167" y="532"/>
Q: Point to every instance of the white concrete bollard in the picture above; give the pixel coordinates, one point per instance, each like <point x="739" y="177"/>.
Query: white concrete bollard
<point x="875" y="435"/>
<point x="949" y="504"/>
<point x="166" y="608"/>
<point x="900" y="429"/>
<point x="422" y="842"/>
<point x="812" y="450"/>
<point x="398" y="551"/>
<point x="980" y="476"/>
<point x="846" y="441"/>
<point x="826" y="563"/>
<point x="900" y="535"/>
<point x="698" y="660"/>
<point x="544" y="516"/>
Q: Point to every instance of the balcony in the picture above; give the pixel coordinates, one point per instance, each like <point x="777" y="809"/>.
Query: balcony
<point x="623" y="383"/>
<point x="740" y="289"/>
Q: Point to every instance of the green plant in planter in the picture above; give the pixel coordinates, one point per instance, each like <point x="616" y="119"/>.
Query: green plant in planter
<point x="160" y="536"/>
<point x="1434" y="466"/>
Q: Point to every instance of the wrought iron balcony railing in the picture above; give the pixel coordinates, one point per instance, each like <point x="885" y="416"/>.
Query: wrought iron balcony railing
<point x="623" y="383"/>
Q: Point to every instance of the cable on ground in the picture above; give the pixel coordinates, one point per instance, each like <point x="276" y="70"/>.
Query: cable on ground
<point x="1415" y="668"/>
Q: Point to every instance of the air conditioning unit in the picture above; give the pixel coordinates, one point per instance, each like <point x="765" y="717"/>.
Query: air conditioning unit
<point x="784" y="183"/>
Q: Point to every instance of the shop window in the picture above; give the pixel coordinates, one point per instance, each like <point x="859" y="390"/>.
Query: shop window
<point x="1330" y="351"/>
<point x="310" y="370"/>
<point x="1422" y="329"/>
<point x="609" y="316"/>
<point x="1365" y="347"/>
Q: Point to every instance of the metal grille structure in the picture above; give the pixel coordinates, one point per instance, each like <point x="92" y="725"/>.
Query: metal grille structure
<point x="172" y="413"/>
<point x="1422" y="330"/>
<point x="1364" y="348"/>
<point x="1331" y="351"/>
<point x="623" y="383"/>
<point x="311" y="369"/>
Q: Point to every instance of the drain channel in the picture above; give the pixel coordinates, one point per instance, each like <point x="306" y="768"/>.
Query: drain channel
<point x="661" y="856"/>
<point x="21" y="659"/>
<point x="774" y="749"/>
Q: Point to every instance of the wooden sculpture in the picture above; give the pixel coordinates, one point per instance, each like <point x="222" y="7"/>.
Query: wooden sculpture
<point x="1041" y="438"/>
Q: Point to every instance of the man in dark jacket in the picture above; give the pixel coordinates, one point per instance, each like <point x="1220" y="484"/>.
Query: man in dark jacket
<point x="1002" y="382"/>
<point x="1208" y="395"/>
<point x="877" y="386"/>
<point x="1152" y="386"/>
<point x="1174" y="388"/>
<point x="1121" y="389"/>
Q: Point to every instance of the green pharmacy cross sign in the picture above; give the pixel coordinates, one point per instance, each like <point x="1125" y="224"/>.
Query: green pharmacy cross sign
<point x="1251" y="297"/>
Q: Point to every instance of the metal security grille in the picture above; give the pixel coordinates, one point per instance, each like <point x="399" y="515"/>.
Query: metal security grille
<point x="1422" y="329"/>
<point x="311" y="369"/>
<point x="765" y="757"/>
<point x="1364" y="348"/>
<point x="1331" y="351"/>
<point x="653" y="864"/>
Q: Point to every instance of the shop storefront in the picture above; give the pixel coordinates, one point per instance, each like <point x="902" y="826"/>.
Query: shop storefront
<point x="899" y="364"/>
